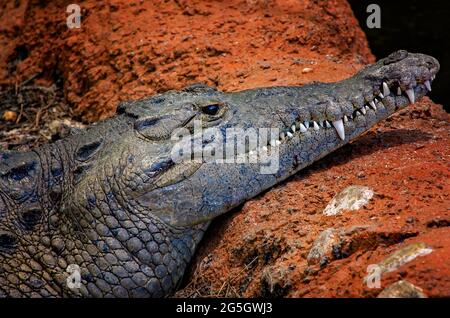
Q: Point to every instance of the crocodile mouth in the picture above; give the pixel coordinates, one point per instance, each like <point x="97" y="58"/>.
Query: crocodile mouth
<point x="386" y="100"/>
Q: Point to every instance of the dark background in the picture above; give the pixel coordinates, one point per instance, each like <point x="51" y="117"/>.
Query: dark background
<point x="421" y="26"/>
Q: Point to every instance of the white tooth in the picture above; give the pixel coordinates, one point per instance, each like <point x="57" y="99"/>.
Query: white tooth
<point x="264" y="148"/>
<point x="327" y="124"/>
<point x="410" y="93"/>
<point x="289" y="135"/>
<point x="363" y="110"/>
<point x="381" y="95"/>
<point x="339" y="126"/>
<point x="293" y="128"/>
<point x="321" y="124"/>
<point x="345" y="119"/>
<point x="433" y="77"/>
<point x="282" y="136"/>
<point x="372" y="103"/>
<point x="386" y="90"/>
<point x="427" y="85"/>
<point x="303" y="128"/>
<point x="277" y="142"/>
<point x="316" y="127"/>
<point x="306" y="124"/>
<point x="367" y="108"/>
<point x="251" y="153"/>
<point x="399" y="91"/>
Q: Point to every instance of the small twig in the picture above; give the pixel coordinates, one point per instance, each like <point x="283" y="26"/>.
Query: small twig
<point x="229" y="281"/>
<point x="50" y="89"/>
<point x="25" y="82"/>
<point x="20" y="100"/>
<point x="46" y="137"/>
<point x="38" y="115"/>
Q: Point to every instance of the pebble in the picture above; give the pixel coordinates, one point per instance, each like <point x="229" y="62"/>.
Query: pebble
<point x="400" y="258"/>
<point x="322" y="249"/>
<point x="402" y="289"/>
<point x="351" y="198"/>
<point x="9" y="116"/>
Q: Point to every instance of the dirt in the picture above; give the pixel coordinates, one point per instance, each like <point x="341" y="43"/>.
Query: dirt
<point x="130" y="49"/>
<point x="32" y="115"/>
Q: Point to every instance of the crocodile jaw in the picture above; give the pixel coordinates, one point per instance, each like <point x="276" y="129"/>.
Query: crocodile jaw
<point x="323" y="118"/>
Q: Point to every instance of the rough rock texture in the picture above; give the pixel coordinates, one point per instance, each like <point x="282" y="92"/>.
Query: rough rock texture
<point x="130" y="49"/>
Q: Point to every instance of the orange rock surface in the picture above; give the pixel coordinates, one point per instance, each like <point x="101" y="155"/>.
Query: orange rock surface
<point x="130" y="49"/>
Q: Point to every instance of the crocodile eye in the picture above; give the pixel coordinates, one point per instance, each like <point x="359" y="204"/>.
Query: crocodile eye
<point x="211" y="109"/>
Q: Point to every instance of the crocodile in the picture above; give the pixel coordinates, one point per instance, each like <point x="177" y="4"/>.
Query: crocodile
<point x="109" y="211"/>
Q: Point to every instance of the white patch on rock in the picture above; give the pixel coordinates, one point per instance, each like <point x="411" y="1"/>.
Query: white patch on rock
<point x="401" y="257"/>
<point x="402" y="289"/>
<point x="322" y="249"/>
<point x="404" y="255"/>
<point x="351" y="198"/>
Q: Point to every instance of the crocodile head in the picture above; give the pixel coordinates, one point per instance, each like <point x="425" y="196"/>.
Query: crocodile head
<point x="310" y="121"/>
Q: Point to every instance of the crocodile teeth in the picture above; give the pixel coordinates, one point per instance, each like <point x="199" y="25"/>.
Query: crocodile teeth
<point x="282" y="136"/>
<point x="410" y="93"/>
<point x="339" y="126"/>
<point x="303" y="128"/>
<point x="293" y="128"/>
<point x="363" y="110"/>
<point x="321" y="124"/>
<point x="372" y="103"/>
<point x="306" y="123"/>
<point x="428" y="85"/>
<point x="316" y="127"/>
<point x="399" y="91"/>
<point x="345" y="119"/>
<point x="327" y="124"/>
<point x="386" y="90"/>
<point x="289" y="135"/>
<point x="277" y="142"/>
<point x="264" y="148"/>
<point x="381" y="95"/>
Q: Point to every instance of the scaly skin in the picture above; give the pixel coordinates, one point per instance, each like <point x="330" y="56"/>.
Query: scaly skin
<point x="111" y="200"/>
